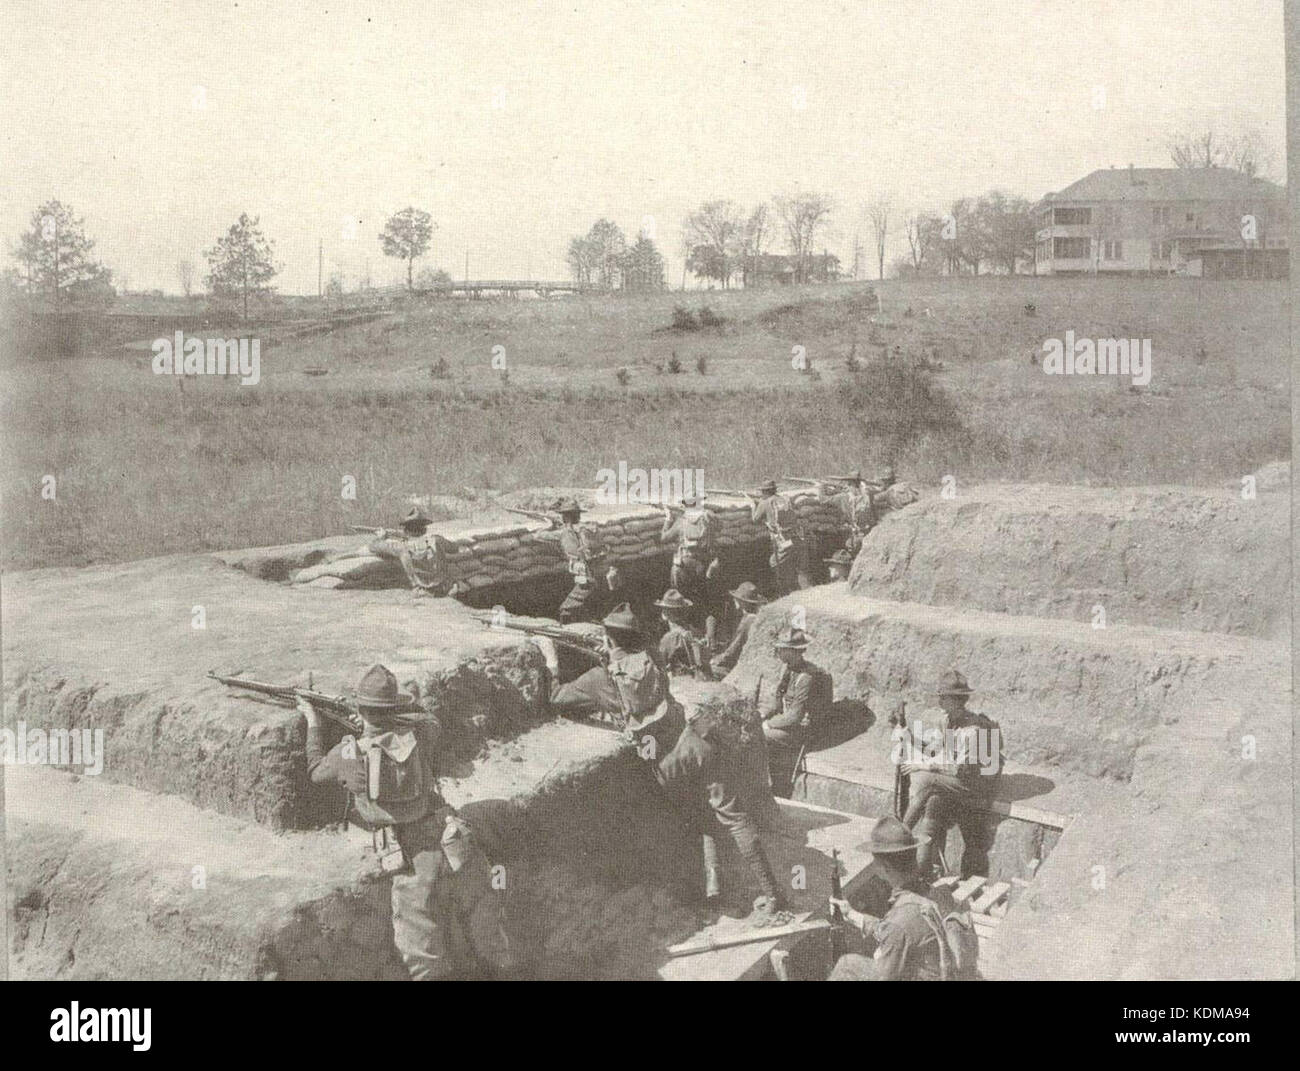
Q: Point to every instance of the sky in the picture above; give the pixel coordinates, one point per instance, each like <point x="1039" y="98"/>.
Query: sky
<point x="517" y="125"/>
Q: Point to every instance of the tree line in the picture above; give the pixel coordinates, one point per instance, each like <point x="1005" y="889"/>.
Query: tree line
<point x="721" y="241"/>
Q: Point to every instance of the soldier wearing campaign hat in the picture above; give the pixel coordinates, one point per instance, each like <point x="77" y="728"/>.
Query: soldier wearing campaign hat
<point x="421" y="553"/>
<point x="446" y="915"/>
<point x="804" y="693"/>
<point x="595" y="576"/>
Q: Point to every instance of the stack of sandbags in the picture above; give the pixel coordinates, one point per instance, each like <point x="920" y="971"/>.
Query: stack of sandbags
<point x="484" y="557"/>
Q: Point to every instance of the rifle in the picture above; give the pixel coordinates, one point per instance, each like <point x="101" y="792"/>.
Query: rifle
<point x="536" y="515"/>
<point x="902" y="781"/>
<point x="334" y="707"/>
<point x="728" y="491"/>
<point x="371" y="529"/>
<point x="592" y="648"/>
<point x="837" y="917"/>
<point x="805" y="479"/>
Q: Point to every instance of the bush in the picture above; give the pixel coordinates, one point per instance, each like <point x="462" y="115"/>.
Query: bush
<point x="674" y="363"/>
<point x="702" y="365"/>
<point x="900" y="400"/>
<point x="684" y="319"/>
<point x="708" y="318"/>
<point x="623" y="376"/>
<point x="440" y="369"/>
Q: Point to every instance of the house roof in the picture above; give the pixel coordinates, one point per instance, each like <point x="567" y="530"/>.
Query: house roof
<point x="1167" y="184"/>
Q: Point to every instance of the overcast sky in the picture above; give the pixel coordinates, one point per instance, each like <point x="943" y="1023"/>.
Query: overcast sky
<point x="518" y="124"/>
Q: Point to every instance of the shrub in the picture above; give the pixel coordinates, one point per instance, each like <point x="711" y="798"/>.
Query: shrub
<point x="623" y="376"/>
<point x="702" y="365"/>
<point x="709" y="318"/>
<point x="674" y="363"/>
<point x="440" y="369"/>
<point x="684" y="319"/>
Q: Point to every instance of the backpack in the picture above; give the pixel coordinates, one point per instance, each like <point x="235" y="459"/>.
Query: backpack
<point x="697" y="528"/>
<point x="955" y="934"/>
<point x="640" y="684"/>
<point x="399" y="786"/>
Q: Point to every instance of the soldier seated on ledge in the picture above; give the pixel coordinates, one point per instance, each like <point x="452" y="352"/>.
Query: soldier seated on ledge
<point x="802" y="701"/>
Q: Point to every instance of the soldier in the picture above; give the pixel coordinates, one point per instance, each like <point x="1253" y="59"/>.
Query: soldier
<point x="803" y="697"/>
<point x="695" y="561"/>
<point x="699" y="774"/>
<point x="854" y="503"/>
<point x="681" y="647"/>
<point x="594" y="578"/>
<point x="421" y="553"/>
<point x="922" y="938"/>
<point x="838" y="565"/>
<point x="446" y="917"/>
<point x="959" y="788"/>
<point x="789" y="560"/>
<point x="746" y="599"/>
<point x="888" y="494"/>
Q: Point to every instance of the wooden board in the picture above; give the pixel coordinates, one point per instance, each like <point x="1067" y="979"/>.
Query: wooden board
<point x="990" y="896"/>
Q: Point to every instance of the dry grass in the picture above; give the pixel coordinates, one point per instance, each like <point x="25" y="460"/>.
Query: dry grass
<point x="143" y="471"/>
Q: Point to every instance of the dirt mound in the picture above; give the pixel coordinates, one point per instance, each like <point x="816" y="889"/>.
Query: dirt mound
<point x="1204" y="560"/>
<point x="114" y="648"/>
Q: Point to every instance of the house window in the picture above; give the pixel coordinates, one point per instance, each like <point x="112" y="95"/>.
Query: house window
<point x="1070" y="217"/>
<point x="1112" y="250"/>
<point x="1071" y="248"/>
<point x="1162" y="216"/>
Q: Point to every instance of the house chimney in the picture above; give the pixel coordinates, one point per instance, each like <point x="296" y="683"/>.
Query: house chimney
<point x="1132" y="180"/>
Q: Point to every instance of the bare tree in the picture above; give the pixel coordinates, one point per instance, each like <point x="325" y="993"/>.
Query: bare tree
<point x="922" y="231"/>
<point x="1247" y="152"/>
<point x="802" y="216"/>
<point x="713" y="235"/>
<point x="185" y="273"/>
<point x="878" y="212"/>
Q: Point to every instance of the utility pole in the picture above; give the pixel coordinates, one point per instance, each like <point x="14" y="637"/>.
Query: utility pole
<point x="466" y="265"/>
<point x="320" y="269"/>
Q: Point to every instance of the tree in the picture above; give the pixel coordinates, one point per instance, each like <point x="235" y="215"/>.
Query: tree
<point x="406" y="236"/>
<point x="1248" y="152"/>
<point x="643" y="266"/>
<point x="878" y="213"/>
<point x="242" y="263"/>
<point x="922" y="231"/>
<point x="714" y="236"/>
<point x="185" y="273"/>
<point x="581" y="258"/>
<point x="607" y="247"/>
<point x="334" y="285"/>
<point x="55" y="255"/>
<point x="1006" y="225"/>
<point x="802" y="215"/>
<point x="429" y="278"/>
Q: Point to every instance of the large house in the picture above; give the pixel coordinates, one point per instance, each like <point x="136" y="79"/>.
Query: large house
<point x="1210" y="221"/>
<point x="776" y="269"/>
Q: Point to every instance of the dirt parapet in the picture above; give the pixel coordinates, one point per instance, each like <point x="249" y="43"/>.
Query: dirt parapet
<point x="1203" y="560"/>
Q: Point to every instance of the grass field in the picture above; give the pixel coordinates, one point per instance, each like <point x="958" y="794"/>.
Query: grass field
<point x="947" y="387"/>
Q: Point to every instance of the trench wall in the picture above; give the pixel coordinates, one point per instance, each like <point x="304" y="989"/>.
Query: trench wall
<point x="230" y="752"/>
<point x="1177" y="558"/>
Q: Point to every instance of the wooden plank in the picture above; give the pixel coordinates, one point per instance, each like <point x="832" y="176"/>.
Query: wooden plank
<point x="762" y="934"/>
<point x="991" y="895"/>
<point x="999" y="909"/>
<point x="946" y="882"/>
<point x="967" y="888"/>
